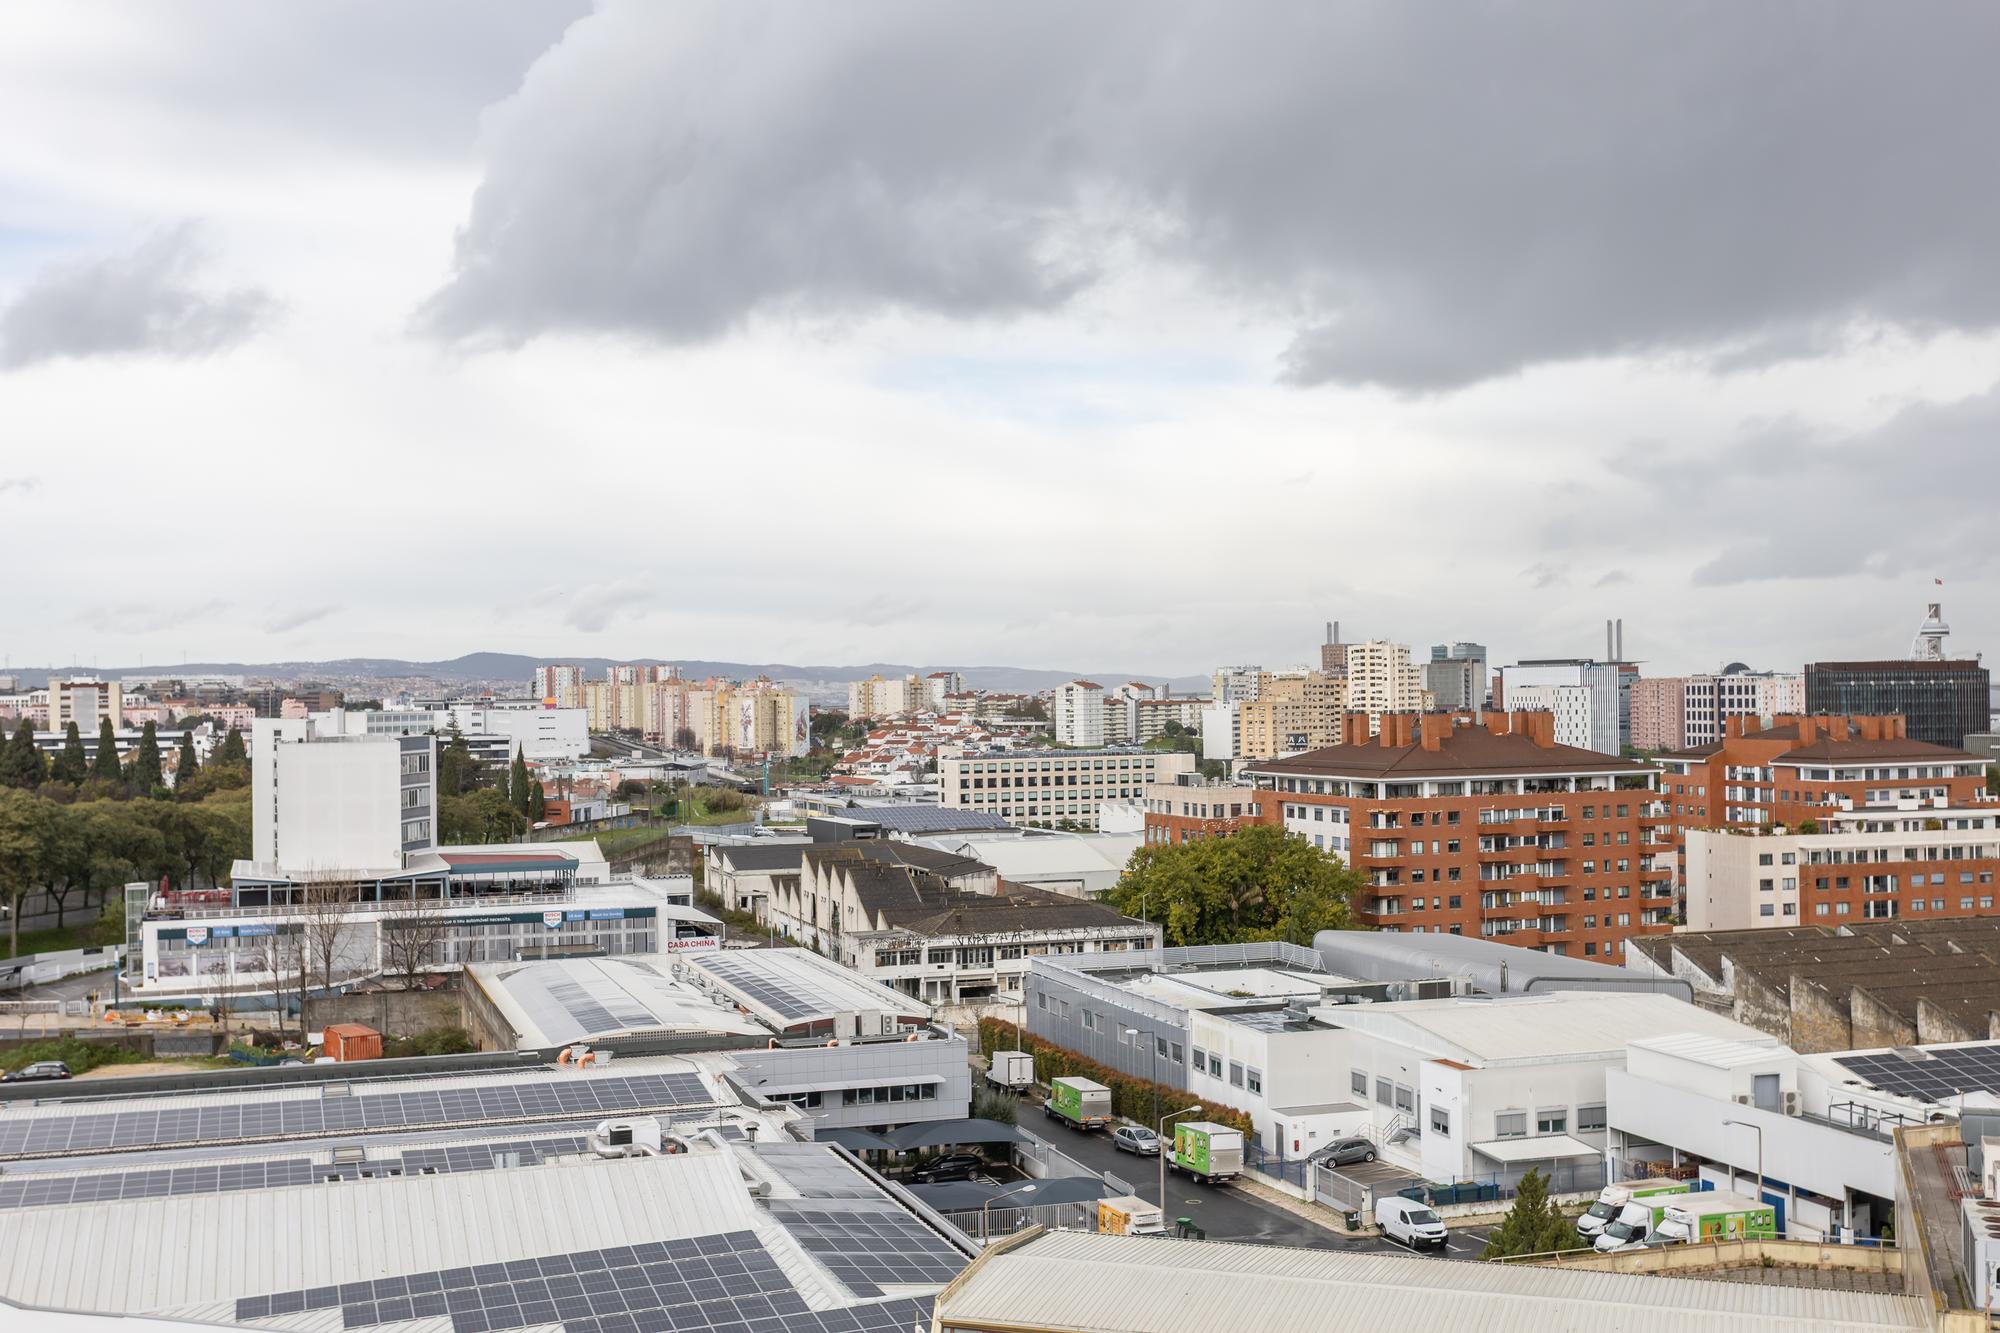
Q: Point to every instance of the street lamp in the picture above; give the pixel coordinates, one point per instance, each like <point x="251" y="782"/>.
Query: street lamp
<point x="1161" y="1135"/>
<point x="1758" y="1130"/>
<point x="1152" y="1077"/>
<point x="1004" y="1194"/>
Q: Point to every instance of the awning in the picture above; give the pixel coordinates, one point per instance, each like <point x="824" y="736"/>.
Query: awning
<point x="947" y="1133"/>
<point x="858" y="1140"/>
<point x="953" y="1195"/>
<point x="1548" y="1148"/>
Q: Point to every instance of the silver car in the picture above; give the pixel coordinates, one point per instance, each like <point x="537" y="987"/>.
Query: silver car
<point x="1137" y="1139"/>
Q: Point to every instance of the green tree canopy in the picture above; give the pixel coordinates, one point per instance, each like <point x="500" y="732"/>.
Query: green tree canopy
<point x="518" y="790"/>
<point x="104" y="764"/>
<point x="458" y="771"/>
<point x="144" y="774"/>
<point x="1255" y="884"/>
<point x="24" y="821"/>
<point x="231" y="753"/>
<point x="1534" y="1225"/>
<point x="186" y="764"/>
<point x="485" y="815"/>
<point x="70" y="765"/>
<point x="21" y="764"/>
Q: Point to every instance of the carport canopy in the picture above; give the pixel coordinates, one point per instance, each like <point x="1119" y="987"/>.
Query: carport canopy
<point x="958" y="1194"/>
<point x="1548" y="1148"/>
<point x="949" y="1133"/>
<point x="859" y="1140"/>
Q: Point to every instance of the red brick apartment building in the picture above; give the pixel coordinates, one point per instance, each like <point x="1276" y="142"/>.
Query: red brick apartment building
<point x="1802" y="767"/>
<point x="1482" y="825"/>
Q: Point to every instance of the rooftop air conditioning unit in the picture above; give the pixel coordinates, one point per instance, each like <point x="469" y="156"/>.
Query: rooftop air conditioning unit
<point x="1742" y="1099"/>
<point x="1791" y="1103"/>
<point x="626" y="1138"/>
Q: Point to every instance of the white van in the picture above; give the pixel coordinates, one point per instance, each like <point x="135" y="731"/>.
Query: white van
<point x="1410" y="1222"/>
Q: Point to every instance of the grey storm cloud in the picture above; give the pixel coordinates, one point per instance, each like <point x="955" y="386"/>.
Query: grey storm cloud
<point x="1430" y="194"/>
<point x="299" y="617"/>
<point x="150" y="301"/>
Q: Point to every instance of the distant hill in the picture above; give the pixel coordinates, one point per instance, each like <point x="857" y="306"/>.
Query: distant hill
<point x="493" y="668"/>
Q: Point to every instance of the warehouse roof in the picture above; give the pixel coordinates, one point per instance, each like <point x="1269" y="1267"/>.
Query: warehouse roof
<point x="1482" y="1031"/>
<point x="563" y="1000"/>
<point x="1126" y="1284"/>
<point x="789" y="987"/>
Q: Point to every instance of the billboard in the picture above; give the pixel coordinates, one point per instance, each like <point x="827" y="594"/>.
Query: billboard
<point x="745" y="739"/>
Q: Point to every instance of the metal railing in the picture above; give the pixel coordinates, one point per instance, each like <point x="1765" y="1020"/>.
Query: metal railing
<point x="565" y="893"/>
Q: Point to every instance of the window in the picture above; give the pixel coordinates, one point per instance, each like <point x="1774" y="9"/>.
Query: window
<point x="1214" y="1065"/>
<point x="1357" y="1083"/>
<point x="1235" y="1073"/>
<point x="1200" y="1059"/>
<point x="1160" y="1047"/>
<point x="1385" y="1092"/>
<point x="1041" y="1000"/>
<point x="1406" y="1100"/>
<point x="1441" y="1122"/>
<point x="1175" y="1048"/>
<point x="1510" y="1125"/>
<point x="1589" y="1117"/>
<point x="1253" y="1081"/>
<point x="1552" y="1120"/>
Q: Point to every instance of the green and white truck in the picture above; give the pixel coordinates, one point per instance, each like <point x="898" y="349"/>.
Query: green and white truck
<point x="1080" y="1103"/>
<point x="1206" y="1151"/>
<point x="1611" y="1201"/>
<point x="1716" y="1215"/>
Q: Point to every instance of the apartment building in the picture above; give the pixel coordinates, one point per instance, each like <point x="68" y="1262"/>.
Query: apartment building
<point x="1151" y="716"/>
<point x="1455" y="677"/>
<point x="560" y="683"/>
<point x="1915" y="859"/>
<point x="1485" y="825"/>
<point x="1380" y="678"/>
<point x="86" y="703"/>
<point x="1192" y="808"/>
<point x="1806" y="767"/>
<point x="880" y="696"/>
<point x="1291" y="711"/>
<point x="746" y="719"/>
<point x="1680" y="712"/>
<point x="1042" y="788"/>
<point x="1076" y="713"/>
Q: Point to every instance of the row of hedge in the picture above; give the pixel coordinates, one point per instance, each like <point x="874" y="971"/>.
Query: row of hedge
<point x="1131" y="1097"/>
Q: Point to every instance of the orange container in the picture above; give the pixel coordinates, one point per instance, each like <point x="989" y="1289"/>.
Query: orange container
<point x="352" y="1041"/>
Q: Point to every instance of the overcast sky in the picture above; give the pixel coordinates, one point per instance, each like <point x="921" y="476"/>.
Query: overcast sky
<point x="1131" y="336"/>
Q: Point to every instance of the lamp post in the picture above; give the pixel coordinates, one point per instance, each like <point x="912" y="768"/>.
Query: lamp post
<point x="1758" y="1130"/>
<point x="1004" y="1194"/>
<point x="1152" y="1077"/>
<point x="1161" y="1134"/>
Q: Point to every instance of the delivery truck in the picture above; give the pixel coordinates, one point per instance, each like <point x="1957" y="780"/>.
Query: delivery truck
<point x="1613" y="1198"/>
<point x="1206" y="1151"/>
<point x="1080" y="1103"/>
<point x="1129" y="1215"/>
<point x="1011" y="1069"/>
<point x="1716" y="1215"/>
<point x="1636" y="1223"/>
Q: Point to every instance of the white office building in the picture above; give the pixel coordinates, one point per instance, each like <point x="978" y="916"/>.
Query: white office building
<point x="1590" y="699"/>
<point x="1050" y="787"/>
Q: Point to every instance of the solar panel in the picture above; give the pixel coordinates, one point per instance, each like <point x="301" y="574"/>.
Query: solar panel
<point x="614" y="1013"/>
<point x="870" y="1247"/>
<point x="53" y="1134"/>
<point x="1942" y="1073"/>
<point x="762" y="987"/>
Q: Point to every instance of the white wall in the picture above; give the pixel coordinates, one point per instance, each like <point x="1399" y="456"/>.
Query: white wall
<point x="337" y="806"/>
<point x="540" y="733"/>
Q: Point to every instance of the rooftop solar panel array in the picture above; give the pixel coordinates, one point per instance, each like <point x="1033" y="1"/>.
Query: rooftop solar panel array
<point x="1942" y="1074"/>
<point x="618" y="1013"/>
<point x="44" y="1191"/>
<point x="761" y="986"/>
<point x="721" y="1284"/>
<point x="550" y="1096"/>
<point x="870" y="1247"/>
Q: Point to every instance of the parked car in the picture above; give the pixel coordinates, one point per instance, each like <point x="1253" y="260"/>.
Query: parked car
<point x="1136" y="1139"/>
<point x="1410" y="1222"/>
<point x="951" y="1166"/>
<point x="39" y="1071"/>
<point x="1345" y="1152"/>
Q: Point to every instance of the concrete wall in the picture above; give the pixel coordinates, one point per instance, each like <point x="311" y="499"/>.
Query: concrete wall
<point x="398" y="1013"/>
<point x="1056" y="1012"/>
<point x="865" y="1065"/>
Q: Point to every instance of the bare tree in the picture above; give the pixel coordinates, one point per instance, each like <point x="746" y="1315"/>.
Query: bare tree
<point x="413" y="936"/>
<point x="283" y="956"/>
<point x="326" y="917"/>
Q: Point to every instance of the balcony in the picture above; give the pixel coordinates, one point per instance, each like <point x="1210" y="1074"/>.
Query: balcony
<point x="1552" y="816"/>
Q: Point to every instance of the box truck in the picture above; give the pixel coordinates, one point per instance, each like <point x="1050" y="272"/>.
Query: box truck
<point x="1636" y="1223"/>
<point x="1716" y="1215"/>
<point x="1080" y="1103"/>
<point x="1207" y="1151"/>
<point x="1011" y="1069"/>
<point x="1613" y="1198"/>
<point x="1129" y="1215"/>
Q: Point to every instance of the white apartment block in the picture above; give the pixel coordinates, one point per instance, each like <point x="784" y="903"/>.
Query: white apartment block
<point x="342" y="805"/>
<point x="1917" y="861"/>
<point x="1047" y="787"/>
<point x="1076" y="713"/>
<point x="1586" y="697"/>
<point x="86" y="703"/>
<point x="1381" y="678"/>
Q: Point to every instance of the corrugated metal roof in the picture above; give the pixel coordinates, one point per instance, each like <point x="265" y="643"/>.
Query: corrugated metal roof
<point x="1717" y="1052"/>
<point x="1130" y="1284"/>
<point x="1526" y="1027"/>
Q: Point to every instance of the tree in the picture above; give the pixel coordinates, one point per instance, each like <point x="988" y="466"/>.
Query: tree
<point x="1534" y="1225"/>
<point x="70" y="765"/>
<point x="104" y="764"/>
<point x="325" y="918"/>
<point x="458" y="771"/>
<point x="144" y="773"/>
<point x="23" y="817"/>
<point x="231" y="754"/>
<point x="518" y="790"/>
<point x="21" y="763"/>
<point x="484" y="816"/>
<point x="1255" y="884"/>
<point x="537" y="801"/>
<point x="186" y="765"/>
<point x="684" y="738"/>
<point x="413" y="935"/>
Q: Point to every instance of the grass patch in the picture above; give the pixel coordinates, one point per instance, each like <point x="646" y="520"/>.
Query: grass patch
<point x="743" y="923"/>
<point x="79" y="1055"/>
<point x="431" y="1041"/>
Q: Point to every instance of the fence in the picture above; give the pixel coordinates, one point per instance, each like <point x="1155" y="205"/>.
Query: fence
<point x="35" y="969"/>
<point x="40" y="1018"/>
<point x="1330" y="1186"/>
<point x="1003" y="1220"/>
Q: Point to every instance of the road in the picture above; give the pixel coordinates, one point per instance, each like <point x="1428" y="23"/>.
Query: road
<point x="1225" y="1212"/>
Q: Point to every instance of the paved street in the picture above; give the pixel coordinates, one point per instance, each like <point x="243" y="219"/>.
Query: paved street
<point x="1225" y="1212"/>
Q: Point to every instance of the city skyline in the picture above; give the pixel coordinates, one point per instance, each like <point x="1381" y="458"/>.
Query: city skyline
<point x="342" y="351"/>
